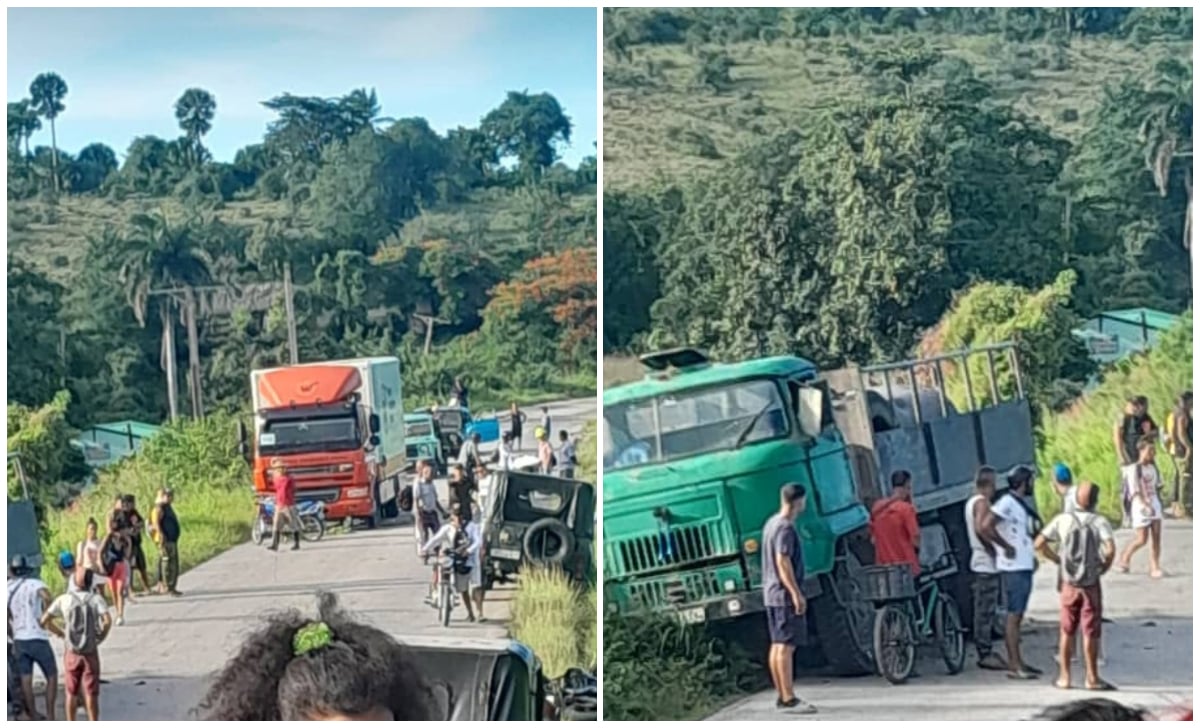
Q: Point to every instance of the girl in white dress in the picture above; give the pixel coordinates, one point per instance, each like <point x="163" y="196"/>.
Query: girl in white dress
<point x="1143" y="481"/>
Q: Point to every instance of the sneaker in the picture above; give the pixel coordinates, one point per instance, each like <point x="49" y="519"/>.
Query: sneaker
<point x="796" y="706"/>
<point x="120" y="621"/>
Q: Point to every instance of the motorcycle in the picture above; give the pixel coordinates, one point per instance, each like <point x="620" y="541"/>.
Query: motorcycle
<point x="311" y="514"/>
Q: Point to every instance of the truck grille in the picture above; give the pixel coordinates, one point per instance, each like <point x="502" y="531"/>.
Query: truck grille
<point x="683" y="544"/>
<point x="674" y="590"/>
<point x="325" y="495"/>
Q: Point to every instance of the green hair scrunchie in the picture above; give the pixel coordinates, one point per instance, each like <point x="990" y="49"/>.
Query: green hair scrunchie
<point x="312" y="636"/>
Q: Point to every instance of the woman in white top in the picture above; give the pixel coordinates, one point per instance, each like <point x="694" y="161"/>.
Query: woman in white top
<point x="1143" y="480"/>
<point x="87" y="554"/>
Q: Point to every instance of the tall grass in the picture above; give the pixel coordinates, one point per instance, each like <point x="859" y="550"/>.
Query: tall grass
<point x="1081" y="436"/>
<point x="213" y="500"/>
<point x="556" y="619"/>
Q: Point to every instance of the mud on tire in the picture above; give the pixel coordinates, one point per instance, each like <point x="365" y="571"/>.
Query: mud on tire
<point x="846" y="632"/>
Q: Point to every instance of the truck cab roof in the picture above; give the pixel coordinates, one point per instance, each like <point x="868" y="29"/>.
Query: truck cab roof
<point x="661" y="382"/>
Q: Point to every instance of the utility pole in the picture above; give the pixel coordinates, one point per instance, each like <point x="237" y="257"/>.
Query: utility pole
<point x="293" y="347"/>
<point x="168" y="354"/>
<point x="429" y="322"/>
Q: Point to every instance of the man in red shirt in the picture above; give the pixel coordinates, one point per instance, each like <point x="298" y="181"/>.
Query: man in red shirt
<point x="894" y="528"/>
<point x="285" y="505"/>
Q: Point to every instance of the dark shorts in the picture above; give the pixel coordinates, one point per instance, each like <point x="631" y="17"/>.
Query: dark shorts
<point x="35" y="652"/>
<point x="1081" y="607"/>
<point x="83" y="671"/>
<point x="786" y="627"/>
<point x="138" y="559"/>
<point x="1018" y="585"/>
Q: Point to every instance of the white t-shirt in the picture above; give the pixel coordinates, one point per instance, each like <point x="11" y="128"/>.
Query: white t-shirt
<point x="1070" y="500"/>
<point x="1057" y="529"/>
<point x="982" y="562"/>
<point x="61" y="607"/>
<point x="26" y="606"/>
<point x="1013" y="526"/>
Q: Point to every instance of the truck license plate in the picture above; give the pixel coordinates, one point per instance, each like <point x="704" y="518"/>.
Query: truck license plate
<point x="693" y="616"/>
<point x="510" y="554"/>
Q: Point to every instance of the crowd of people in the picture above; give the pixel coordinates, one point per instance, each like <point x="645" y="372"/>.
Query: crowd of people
<point x="101" y="570"/>
<point x="1006" y="537"/>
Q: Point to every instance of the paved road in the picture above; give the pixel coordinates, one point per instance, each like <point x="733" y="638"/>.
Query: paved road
<point x="1149" y="651"/>
<point x="159" y="661"/>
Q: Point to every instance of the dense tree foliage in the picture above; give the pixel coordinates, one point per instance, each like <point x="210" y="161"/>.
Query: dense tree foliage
<point x="384" y="225"/>
<point x="848" y="231"/>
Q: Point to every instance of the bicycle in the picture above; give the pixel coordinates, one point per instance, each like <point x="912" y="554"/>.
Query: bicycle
<point x="912" y="613"/>
<point x="441" y="589"/>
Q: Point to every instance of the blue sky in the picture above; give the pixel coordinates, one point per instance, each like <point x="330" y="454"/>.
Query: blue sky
<point x="125" y="67"/>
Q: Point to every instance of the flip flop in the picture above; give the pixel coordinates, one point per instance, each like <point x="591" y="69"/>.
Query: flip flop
<point x="1102" y="686"/>
<point x="1031" y="669"/>
<point x="1061" y="686"/>
<point x="1157" y="574"/>
<point x="1021" y="675"/>
<point x="1122" y="569"/>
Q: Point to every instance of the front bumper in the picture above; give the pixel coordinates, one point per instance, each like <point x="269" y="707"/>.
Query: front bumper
<point x="709" y="594"/>
<point x="349" y="508"/>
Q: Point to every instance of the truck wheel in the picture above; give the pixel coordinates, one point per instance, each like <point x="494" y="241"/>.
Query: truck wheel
<point x="548" y="542"/>
<point x="391" y="509"/>
<point x="845" y="622"/>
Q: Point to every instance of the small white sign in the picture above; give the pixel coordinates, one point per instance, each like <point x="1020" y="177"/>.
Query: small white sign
<point x="694" y="615"/>
<point x="266" y="438"/>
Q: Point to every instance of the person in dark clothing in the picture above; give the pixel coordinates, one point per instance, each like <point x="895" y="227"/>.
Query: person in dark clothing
<point x="516" y="424"/>
<point x="1134" y="424"/>
<point x="782" y="574"/>
<point x="137" y="555"/>
<point x="459" y="393"/>
<point x="462" y="491"/>
<point x="164" y="529"/>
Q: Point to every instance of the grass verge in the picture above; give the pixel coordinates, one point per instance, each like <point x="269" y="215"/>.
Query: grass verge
<point x="1081" y="436"/>
<point x="213" y="499"/>
<point x="556" y="619"/>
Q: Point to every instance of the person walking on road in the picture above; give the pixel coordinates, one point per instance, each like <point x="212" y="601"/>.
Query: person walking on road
<point x="114" y="559"/>
<point x="461" y="539"/>
<point x="429" y="509"/>
<point x="985" y="542"/>
<point x="1085" y="552"/>
<point x="85" y="625"/>
<point x="27" y="599"/>
<point x="164" y="529"/>
<point x="87" y="554"/>
<point x="1017" y="524"/>
<point x="894" y="529"/>
<point x="1133" y="425"/>
<point x="285" y="506"/>
<point x="782" y="574"/>
<point x="327" y="668"/>
<point x="566" y="456"/>
<point x="1143" y="481"/>
<point x="137" y="528"/>
<point x="516" y="424"/>
<point x="546" y="420"/>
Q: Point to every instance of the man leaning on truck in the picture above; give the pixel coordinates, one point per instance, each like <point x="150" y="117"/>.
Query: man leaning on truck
<point x="782" y="573"/>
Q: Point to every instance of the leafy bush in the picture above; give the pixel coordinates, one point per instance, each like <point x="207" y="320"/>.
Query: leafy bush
<point x="1082" y="435"/>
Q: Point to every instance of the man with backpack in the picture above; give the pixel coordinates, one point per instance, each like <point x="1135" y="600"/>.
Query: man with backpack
<point x="1085" y="553"/>
<point x="85" y="624"/>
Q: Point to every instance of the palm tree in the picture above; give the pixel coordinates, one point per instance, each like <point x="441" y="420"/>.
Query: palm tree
<point x="23" y="121"/>
<point x="195" y="110"/>
<point x="154" y="254"/>
<point x="1166" y="131"/>
<point x="47" y="92"/>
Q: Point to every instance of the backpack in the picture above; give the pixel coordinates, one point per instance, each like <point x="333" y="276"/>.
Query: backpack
<point x="1081" y="564"/>
<point x="83" y="625"/>
<point x="110" y="556"/>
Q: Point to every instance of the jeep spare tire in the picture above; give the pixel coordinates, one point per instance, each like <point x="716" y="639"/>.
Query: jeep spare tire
<point x="548" y="542"/>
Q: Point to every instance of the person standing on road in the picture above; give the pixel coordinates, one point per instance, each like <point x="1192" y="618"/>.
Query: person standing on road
<point x="504" y="453"/>
<point x="114" y="559"/>
<point x="545" y="451"/>
<point x="546" y="420"/>
<point x="462" y="492"/>
<point x="1130" y="428"/>
<point x="1064" y="485"/>
<point x="87" y="554"/>
<point x="285" y="506"/>
<point x="468" y="454"/>
<point x="894" y="529"/>
<point x="985" y="542"/>
<point x="85" y="624"/>
<point x="782" y="574"/>
<point x="566" y="455"/>
<point x="1143" y="481"/>
<point x="429" y="510"/>
<point x="27" y="598"/>
<point x="516" y="424"/>
<point x="1085" y="553"/>
<point x="137" y="528"/>
<point x="1179" y="446"/>
<point x="164" y="529"/>
<point x="1017" y="525"/>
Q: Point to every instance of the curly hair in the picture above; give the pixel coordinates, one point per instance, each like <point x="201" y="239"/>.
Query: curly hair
<point x="361" y="670"/>
<point x="1093" y="709"/>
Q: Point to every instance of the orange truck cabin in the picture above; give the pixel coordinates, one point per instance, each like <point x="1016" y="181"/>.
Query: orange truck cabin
<point x="338" y="428"/>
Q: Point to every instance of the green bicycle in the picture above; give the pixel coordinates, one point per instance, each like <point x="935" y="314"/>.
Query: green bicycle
<point x="911" y="613"/>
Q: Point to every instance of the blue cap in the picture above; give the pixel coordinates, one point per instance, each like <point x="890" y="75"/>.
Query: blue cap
<point x="1062" y="473"/>
<point x="66" y="560"/>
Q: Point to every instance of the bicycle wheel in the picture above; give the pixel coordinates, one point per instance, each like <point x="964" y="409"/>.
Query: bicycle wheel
<point x="445" y="601"/>
<point x="259" y="532"/>
<point x="312" y="528"/>
<point x="948" y="631"/>
<point x="895" y="643"/>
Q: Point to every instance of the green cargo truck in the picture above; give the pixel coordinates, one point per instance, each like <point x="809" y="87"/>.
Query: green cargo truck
<point x="696" y="451"/>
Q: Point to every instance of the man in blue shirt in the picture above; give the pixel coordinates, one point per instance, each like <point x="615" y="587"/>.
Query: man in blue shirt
<point x="782" y="574"/>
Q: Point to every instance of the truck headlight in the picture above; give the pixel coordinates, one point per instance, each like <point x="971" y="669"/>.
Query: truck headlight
<point x="358" y="492"/>
<point x="734" y="606"/>
<point x="751" y="546"/>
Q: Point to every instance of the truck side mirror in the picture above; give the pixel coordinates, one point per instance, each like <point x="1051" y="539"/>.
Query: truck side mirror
<point x="373" y="423"/>
<point x="810" y="406"/>
<point x="243" y="445"/>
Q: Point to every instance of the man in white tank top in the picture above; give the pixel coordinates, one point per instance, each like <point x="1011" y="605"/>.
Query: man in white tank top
<point x="985" y="579"/>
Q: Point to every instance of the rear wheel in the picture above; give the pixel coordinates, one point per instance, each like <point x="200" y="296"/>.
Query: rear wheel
<point x="895" y="643"/>
<point x="844" y="620"/>
<point x="445" y="600"/>
<point x="948" y="631"/>
<point x="391" y="509"/>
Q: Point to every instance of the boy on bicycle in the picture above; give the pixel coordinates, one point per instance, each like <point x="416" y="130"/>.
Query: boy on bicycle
<point x="462" y="542"/>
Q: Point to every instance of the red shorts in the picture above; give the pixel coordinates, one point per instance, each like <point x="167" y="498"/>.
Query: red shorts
<point x="119" y="577"/>
<point x="1080" y="606"/>
<point x="83" y="671"/>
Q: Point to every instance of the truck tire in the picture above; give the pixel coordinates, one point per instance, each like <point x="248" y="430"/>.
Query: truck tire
<point x="391" y="509"/>
<point x="533" y="546"/>
<point x="844" y="621"/>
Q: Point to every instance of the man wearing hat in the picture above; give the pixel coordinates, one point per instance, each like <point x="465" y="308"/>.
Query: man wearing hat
<point x="164" y="529"/>
<point x="285" y="505"/>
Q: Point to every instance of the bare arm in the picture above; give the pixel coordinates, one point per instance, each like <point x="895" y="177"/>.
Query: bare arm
<point x="985" y="527"/>
<point x="786" y="575"/>
<point x="106" y="624"/>
<point x="49" y="624"/>
<point x="1042" y="546"/>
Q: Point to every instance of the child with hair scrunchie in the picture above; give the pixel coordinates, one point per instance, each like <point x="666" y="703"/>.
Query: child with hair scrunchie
<point x="331" y="668"/>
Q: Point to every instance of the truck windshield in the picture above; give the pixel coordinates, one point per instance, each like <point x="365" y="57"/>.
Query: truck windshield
<point x="692" y="422"/>
<point x="418" y="430"/>
<point x="331" y="433"/>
